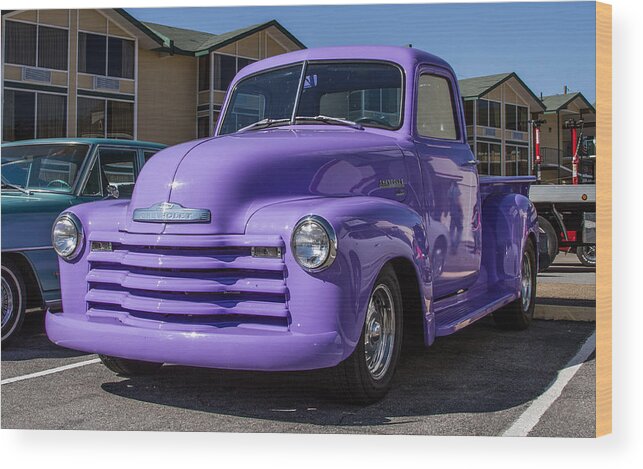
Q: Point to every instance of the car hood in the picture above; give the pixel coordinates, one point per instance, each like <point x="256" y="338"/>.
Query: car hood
<point x="234" y="175"/>
<point x="27" y="218"/>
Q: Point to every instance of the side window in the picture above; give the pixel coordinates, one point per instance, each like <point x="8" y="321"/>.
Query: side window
<point x="113" y="166"/>
<point x="147" y="154"/>
<point x="436" y="117"/>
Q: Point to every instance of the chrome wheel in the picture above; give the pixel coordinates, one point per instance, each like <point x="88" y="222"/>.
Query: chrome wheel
<point x="7" y="302"/>
<point x="379" y="333"/>
<point x="587" y="255"/>
<point x="526" y="282"/>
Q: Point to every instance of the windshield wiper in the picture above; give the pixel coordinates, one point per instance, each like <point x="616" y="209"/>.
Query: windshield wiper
<point x="263" y="123"/>
<point x="331" y="120"/>
<point x="16" y="187"/>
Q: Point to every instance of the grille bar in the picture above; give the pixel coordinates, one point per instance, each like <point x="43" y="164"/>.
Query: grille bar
<point x="164" y="261"/>
<point x="209" y="284"/>
<point x="185" y="241"/>
<point x="135" y="302"/>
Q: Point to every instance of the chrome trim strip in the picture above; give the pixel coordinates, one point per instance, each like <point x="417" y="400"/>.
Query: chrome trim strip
<point x="27" y="249"/>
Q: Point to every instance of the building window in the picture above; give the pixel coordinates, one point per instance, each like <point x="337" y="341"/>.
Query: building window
<point x="105" y="118"/>
<point x="203" y="126"/>
<point x="19" y="115"/>
<point x="120" y="59"/>
<point x="51" y="115"/>
<point x="490" y="157"/>
<point x="204" y="72"/>
<point x="225" y="68"/>
<point x="100" y="55"/>
<point x="36" y="46"/>
<point x="28" y="114"/>
<point x="516" y="117"/>
<point x="489" y="113"/>
<point x="516" y="160"/>
<point x="468" y="112"/>
<point x="435" y="108"/>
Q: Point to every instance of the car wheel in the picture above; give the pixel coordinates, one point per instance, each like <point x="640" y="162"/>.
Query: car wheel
<point x="518" y="314"/>
<point x="13" y="302"/>
<point x="126" y="367"/>
<point x="587" y="255"/>
<point x="366" y="375"/>
<point x="552" y="241"/>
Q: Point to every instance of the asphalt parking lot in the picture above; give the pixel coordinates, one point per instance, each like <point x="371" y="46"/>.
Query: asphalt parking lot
<point x="480" y="381"/>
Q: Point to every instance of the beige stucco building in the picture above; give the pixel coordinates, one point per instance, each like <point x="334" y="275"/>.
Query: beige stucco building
<point x="103" y="73"/>
<point x="498" y="109"/>
<point x="561" y="110"/>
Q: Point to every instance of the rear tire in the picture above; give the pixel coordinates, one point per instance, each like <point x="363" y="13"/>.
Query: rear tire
<point x="552" y="241"/>
<point x="126" y="367"/>
<point x="365" y="376"/>
<point x="14" y="302"/>
<point x="587" y="255"/>
<point x="518" y="314"/>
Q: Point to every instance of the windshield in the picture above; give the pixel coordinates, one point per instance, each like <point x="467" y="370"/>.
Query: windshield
<point x="43" y="167"/>
<point x="368" y="93"/>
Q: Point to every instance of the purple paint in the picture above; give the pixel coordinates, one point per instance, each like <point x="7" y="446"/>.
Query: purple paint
<point x="193" y="294"/>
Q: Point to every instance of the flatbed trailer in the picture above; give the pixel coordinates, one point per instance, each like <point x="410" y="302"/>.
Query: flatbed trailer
<point x="567" y="216"/>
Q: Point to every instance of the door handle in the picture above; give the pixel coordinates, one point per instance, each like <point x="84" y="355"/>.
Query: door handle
<point x="471" y="163"/>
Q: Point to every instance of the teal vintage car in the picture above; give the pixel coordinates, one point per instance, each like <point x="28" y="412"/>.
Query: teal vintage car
<point x="41" y="178"/>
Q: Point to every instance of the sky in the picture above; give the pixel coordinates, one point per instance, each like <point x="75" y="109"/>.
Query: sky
<point x="549" y="45"/>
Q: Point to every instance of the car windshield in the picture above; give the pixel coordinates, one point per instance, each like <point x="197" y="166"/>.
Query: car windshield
<point x="46" y="167"/>
<point x="366" y="93"/>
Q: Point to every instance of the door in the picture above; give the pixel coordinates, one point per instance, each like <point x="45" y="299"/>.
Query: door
<point x="451" y="180"/>
<point x="113" y="166"/>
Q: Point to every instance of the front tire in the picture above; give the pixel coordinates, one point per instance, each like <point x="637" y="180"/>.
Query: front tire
<point x="365" y="376"/>
<point x="14" y="301"/>
<point x="519" y="314"/>
<point x="126" y="367"/>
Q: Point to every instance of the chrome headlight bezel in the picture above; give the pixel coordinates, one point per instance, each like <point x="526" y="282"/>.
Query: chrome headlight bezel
<point x="332" y="242"/>
<point x="80" y="235"/>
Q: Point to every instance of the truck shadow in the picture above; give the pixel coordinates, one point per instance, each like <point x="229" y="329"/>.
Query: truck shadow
<point x="480" y="369"/>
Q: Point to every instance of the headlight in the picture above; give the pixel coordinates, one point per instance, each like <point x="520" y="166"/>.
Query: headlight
<point x="314" y="243"/>
<point x="67" y="236"/>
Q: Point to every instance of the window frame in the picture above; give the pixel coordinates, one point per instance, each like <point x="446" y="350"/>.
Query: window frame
<point x="501" y="124"/>
<point x="107" y="36"/>
<point x="105" y="101"/>
<point x="35" y="109"/>
<point x="94" y="158"/>
<point x="456" y="101"/>
<point x="37" y="25"/>
<point x="304" y="66"/>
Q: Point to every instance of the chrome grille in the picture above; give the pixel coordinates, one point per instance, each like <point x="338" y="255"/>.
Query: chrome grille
<point x="187" y="283"/>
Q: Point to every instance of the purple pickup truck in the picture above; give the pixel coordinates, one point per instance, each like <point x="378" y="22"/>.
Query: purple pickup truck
<point x="337" y="206"/>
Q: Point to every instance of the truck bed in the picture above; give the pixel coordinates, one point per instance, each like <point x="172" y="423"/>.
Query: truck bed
<point x="505" y="184"/>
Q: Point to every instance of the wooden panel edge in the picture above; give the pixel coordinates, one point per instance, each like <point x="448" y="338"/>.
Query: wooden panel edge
<point x="603" y="219"/>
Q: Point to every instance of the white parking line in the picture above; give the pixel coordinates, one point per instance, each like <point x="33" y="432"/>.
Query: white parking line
<point x="50" y="371"/>
<point x="532" y="415"/>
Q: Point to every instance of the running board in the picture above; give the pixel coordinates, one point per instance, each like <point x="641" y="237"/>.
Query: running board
<point x="454" y="317"/>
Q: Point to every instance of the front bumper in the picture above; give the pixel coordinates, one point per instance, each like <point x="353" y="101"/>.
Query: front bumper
<point x="228" y="348"/>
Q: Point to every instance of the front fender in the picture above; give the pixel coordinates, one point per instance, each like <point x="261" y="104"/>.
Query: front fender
<point x="370" y="232"/>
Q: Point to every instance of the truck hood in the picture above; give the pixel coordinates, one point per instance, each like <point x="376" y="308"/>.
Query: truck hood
<point x="235" y="175"/>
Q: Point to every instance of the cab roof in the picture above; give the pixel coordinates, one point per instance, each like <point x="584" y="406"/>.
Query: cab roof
<point x="406" y="57"/>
